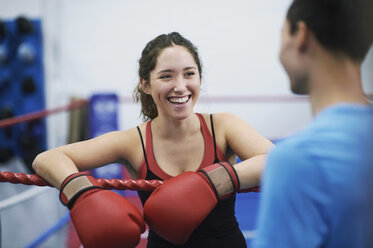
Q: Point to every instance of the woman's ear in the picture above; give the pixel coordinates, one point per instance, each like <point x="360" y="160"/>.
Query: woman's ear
<point x="145" y="86"/>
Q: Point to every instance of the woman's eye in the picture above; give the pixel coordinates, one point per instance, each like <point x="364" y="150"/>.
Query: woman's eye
<point x="166" y="76"/>
<point x="190" y="73"/>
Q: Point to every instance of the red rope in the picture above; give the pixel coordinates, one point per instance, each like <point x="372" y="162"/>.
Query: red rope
<point x="129" y="184"/>
<point x="42" y="113"/>
<point x="213" y="99"/>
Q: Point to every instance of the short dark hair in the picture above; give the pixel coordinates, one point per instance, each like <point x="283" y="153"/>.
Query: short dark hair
<point x="148" y="62"/>
<point x="341" y="26"/>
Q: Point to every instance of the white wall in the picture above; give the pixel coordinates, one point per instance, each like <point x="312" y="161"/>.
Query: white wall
<point x="367" y="73"/>
<point x="99" y="43"/>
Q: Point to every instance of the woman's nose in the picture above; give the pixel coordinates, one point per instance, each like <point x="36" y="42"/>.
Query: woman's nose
<point x="180" y="84"/>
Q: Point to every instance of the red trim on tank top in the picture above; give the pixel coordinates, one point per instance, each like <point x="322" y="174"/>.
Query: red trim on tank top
<point x="207" y="160"/>
<point x="142" y="171"/>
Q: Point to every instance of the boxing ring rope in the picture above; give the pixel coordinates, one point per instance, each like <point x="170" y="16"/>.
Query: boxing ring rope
<point x="26" y="179"/>
<point x="42" y="113"/>
<point x="32" y="179"/>
<point x="45" y="235"/>
<point x="21" y="197"/>
<point x="127" y="99"/>
<point x="242" y="98"/>
<point x="248" y="99"/>
<point x="125" y="184"/>
<point x="28" y="195"/>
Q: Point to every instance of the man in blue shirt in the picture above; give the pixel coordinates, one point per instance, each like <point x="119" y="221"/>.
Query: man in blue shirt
<point x="317" y="188"/>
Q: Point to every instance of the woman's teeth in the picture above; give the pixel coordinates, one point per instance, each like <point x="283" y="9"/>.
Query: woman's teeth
<point x="179" y="100"/>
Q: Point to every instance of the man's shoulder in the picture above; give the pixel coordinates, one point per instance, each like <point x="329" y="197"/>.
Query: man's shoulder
<point x="312" y="136"/>
<point x="296" y="142"/>
<point x="296" y="153"/>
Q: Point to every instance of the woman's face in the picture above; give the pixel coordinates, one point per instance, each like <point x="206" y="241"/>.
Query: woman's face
<point x="174" y="82"/>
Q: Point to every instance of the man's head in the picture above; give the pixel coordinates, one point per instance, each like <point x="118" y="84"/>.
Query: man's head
<point x="341" y="27"/>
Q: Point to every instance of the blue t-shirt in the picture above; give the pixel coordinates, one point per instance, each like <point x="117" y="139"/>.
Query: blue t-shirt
<point x="317" y="188"/>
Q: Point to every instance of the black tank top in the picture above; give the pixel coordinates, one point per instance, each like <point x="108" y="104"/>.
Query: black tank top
<point x="220" y="228"/>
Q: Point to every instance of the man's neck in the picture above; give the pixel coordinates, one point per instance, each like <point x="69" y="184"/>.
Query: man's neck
<point x="335" y="80"/>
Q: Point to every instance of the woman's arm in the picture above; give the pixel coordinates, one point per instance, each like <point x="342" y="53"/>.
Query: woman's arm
<point x="56" y="164"/>
<point x="247" y="144"/>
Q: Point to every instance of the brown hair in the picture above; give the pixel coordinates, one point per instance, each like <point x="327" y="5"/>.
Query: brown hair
<point x="342" y="26"/>
<point x="148" y="62"/>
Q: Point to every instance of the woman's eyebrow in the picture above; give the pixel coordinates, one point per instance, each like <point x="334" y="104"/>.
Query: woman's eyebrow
<point x="163" y="71"/>
<point x="189" y="67"/>
<point x="170" y="70"/>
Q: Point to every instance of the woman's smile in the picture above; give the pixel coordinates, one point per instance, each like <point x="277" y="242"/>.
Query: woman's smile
<point x="179" y="100"/>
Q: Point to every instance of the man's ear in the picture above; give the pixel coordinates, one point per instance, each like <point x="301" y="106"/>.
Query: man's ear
<point x="144" y="86"/>
<point x="302" y="37"/>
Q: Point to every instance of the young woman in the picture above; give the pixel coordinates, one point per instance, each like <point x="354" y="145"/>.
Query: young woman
<point x="172" y="140"/>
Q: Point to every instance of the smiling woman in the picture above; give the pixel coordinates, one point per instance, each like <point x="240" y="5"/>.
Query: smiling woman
<point x="175" y="79"/>
<point x="163" y="49"/>
<point x="193" y="152"/>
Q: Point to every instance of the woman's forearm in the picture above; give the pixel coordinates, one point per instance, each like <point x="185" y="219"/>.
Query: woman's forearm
<point x="250" y="170"/>
<point x="54" y="166"/>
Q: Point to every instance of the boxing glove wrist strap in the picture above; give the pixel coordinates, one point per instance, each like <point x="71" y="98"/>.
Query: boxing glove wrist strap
<point x="75" y="185"/>
<point x="223" y="178"/>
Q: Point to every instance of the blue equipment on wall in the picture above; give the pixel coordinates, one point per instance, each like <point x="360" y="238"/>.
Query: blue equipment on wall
<point x="21" y="88"/>
<point x="103" y="118"/>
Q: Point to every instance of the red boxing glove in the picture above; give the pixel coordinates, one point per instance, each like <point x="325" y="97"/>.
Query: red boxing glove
<point x="176" y="208"/>
<point x="101" y="218"/>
